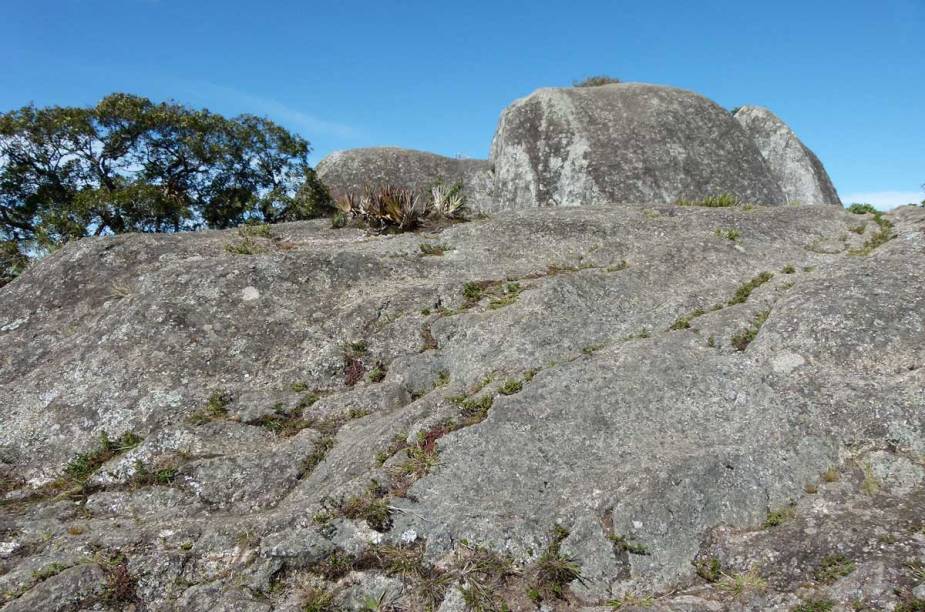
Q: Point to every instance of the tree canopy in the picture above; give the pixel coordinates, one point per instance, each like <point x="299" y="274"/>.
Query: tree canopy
<point x="131" y="165"/>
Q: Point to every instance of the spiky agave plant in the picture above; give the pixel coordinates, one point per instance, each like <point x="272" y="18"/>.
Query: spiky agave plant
<point x="391" y="206"/>
<point x="448" y="201"/>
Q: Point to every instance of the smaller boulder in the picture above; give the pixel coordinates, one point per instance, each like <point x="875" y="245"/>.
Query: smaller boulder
<point x="354" y="169"/>
<point x="798" y="171"/>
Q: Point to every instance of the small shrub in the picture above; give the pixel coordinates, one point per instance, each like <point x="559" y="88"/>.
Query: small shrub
<point x="443" y="379"/>
<point x="475" y="410"/>
<point x="258" y="230"/>
<point x="596" y="81"/>
<point x="728" y="234"/>
<point x="723" y="200"/>
<point x="245" y="247"/>
<point x="862" y="209"/>
<point x="833" y="567"/>
<point x="339" y="220"/>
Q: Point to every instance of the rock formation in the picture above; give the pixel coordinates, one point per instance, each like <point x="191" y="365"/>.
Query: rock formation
<point x="708" y="407"/>
<point x="797" y="170"/>
<point x="353" y="170"/>
<point x="623" y="143"/>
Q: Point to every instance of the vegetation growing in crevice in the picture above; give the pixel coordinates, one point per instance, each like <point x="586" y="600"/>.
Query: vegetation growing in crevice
<point x="80" y="468"/>
<point x="741" y="340"/>
<point x="779" y="516"/>
<point x="433" y="250"/>
<point x="745" y="290"/>
<point x="353" y="366"/>
<point x="509" y="295"/>
<point x="709" y="569"/>
<point x="551" y="573"/>
<point x="742" y="583"/>
<point x="833" y="567"/>
<point x="216" y="408"/>
<point x="621" y="544"/>
<point x="883" y="234"/>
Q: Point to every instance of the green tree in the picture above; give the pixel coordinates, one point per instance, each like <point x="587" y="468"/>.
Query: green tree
<point x="131" y="165"/>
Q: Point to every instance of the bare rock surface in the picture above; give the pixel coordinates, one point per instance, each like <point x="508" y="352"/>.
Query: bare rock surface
<point x="797" y="169"/>
<point x="573" y="408"/>
<point x="355" y="169"/>
<point x="625" y="143"/>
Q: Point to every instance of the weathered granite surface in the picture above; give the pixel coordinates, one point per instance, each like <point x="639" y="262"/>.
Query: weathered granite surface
<point x="642" y="400"/>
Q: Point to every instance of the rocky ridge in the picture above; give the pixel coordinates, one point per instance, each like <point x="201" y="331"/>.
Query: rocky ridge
<point x="559" y="409"/>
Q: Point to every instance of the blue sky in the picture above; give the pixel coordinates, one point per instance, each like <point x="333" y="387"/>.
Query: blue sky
<point x="848" y="76"/>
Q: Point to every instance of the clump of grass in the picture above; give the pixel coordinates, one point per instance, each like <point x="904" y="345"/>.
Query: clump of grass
<point x="709" y="569"/>
<point x="723" y="200"/>
<point x="372" y="507"/>
<point x="728" y="234"/>
<point x="831" y="475"/>
<point x="163" y="473"/>
<point x="258" y="230"/>
<point x="317" y="598"/>
<point x="397" y="443"/>
<point x="319" y="452"/>
<point x="631" y="600"/>
<point x="421" y="458"/>
<point x="283" y="422"/>
<point x="472" y="291"/>
<point x="216" y="408"/>
<point x="684" y="322"/>
<point x="833" y="567"/>
<point x="432" y="250"/>
<point x="119" y="590"/>
<point x="378" y="373"/>
<point x="788" y="269"/>
<point x="596" y="81"/>
<point x="510" y="293"/>
<point x="48" y="571"/>
<point x="475" y="410"/>
<point x="779" y="516"/>
<point x="482" y="572"/>
<point x="745" y="290"/>
<point x="742" y="583"/>
<point x="80" y="468"/>
<point x="428" y="583"/>
<point x="884" y="234"/>
<point x="592" y="348"/>
<point x="869" y="486"/>
<point x="617" y="267"/>
<point x="741" y="340"/>
<point x="246" y="246"/>
<point x="510" y="387"/>
<point x="620" y="543"/>
<point x="443" y="379"/>
<point x="552" y="571"/>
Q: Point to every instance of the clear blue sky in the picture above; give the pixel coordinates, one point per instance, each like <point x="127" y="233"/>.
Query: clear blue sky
<point x="848" y="76"/>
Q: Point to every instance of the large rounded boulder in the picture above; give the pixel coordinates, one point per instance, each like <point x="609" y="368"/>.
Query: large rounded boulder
<point x="355" y="169"/>
<point x="797" y="170"/>
<point x="624" y="143"/>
